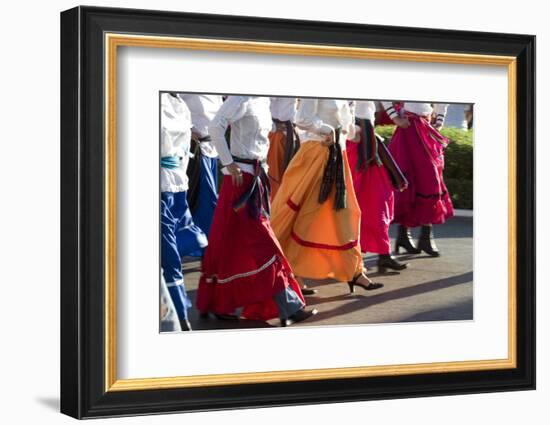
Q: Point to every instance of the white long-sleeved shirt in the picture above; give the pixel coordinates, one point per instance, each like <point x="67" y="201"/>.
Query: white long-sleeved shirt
<point x="365" y="109"/>
<point x="203" y="109"/>
<point x="175" y="140"/>
<point x="250" y="119"/>
<point x="315" y="118"/>
<point x="419" y="108"/>
<point x="284" y="108"/>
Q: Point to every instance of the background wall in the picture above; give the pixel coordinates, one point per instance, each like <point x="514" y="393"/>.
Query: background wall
<point x="29" y="213"/>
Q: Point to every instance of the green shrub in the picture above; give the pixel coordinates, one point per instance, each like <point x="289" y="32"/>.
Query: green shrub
<point x="459" y="163"/>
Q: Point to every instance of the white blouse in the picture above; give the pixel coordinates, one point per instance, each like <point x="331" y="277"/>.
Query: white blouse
<point x="365" y="109"/>
<point x="203" y="109"/>
<point x="284" y="108"/>
<point x="175" y="140"/>
<point x="419" y="108"/>
<point x="316" y="118"/>
<point x="250" y="119"/>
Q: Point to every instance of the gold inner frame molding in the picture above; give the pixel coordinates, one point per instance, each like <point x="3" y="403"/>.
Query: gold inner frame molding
<point x="113" y="41"/>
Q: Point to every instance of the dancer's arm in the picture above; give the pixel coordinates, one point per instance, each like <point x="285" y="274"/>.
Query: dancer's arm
<point x="232" y="110"/>
<point x="392" y="113"/>
<point x="308" y="119"/>
<point x="440" y="110"/>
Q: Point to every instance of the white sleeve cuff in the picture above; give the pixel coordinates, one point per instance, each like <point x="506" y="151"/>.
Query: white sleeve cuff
<point x="392" y="113"/>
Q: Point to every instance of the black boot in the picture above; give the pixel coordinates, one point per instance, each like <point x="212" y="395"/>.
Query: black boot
<point x="404" y="240"/>
<point x="427" y="243"/>
<point x="387" y="261"/>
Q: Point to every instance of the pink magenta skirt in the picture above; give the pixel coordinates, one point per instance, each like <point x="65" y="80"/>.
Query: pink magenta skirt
<point x="419" y="152"/>
<point x="374" y="193"/>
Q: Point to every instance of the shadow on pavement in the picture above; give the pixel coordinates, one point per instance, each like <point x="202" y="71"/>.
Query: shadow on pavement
<point x="370" y="299"/>
<point x="459" y="311"/>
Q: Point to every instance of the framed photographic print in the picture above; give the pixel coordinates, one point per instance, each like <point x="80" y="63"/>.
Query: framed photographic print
<point x="261" y="212"/>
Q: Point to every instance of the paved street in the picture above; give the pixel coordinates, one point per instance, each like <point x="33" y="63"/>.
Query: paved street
<point x="430" y="289"/>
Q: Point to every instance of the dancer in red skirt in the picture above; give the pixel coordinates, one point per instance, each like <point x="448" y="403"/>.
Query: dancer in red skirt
<point x="244" y="265"/>
<point x="418" y="149"/>
<point x="375" y="177"/>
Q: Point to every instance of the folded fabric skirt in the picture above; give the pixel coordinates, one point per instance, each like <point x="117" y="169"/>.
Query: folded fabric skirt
<point x="419" y="152"/>
<point x="244" y="265"/>
<point x="275" y="160"/>
<point x="319" y="241"/>
<point x="375" y="196"/>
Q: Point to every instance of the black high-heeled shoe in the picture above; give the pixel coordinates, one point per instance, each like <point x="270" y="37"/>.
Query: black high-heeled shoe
<point x="427" y="243"/>
<point x="299" y="316"/>
<point x="404" y="240"/>
<point x="370" y="287"/>
<point x="387" y="261"/>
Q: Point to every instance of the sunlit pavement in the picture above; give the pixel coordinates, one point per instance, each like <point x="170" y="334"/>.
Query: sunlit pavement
<point x="431" y="289"/>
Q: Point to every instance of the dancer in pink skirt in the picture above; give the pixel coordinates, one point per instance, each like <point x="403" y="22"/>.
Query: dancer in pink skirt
<point x="418" y="149"/>
<point x="375" y="177"/>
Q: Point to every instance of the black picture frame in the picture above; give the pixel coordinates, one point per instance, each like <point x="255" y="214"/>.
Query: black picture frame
<point x="82" y="206"/>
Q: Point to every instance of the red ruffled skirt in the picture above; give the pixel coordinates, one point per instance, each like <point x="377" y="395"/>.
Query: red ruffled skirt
<point x="374" y="193"/>
<point x="419" y="152"/>
<point x="243" y="265"/>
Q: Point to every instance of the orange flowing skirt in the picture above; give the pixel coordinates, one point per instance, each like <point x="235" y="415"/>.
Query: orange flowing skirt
<point x="318" y="241"/>
<point x="275" y="160"/>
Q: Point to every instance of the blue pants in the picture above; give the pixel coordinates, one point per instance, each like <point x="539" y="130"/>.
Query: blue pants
<point x="180" y="237"/>
<point x="207" y="196"/>
<point x="288" y="303"/>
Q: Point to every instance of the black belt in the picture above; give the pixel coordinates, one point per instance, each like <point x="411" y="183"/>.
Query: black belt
<point x="292" y="141"/>
<point x="372" y="149"/>
<point x="194" y="170"/>
<point x="368" y="149"/>
<point x="334" y="174"/>
<point x="256" y="197"/>
<point x="249" y="161"/>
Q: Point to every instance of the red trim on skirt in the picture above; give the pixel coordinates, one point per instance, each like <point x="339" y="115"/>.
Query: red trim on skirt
<point x="292" y="205"/>
<point x="309" y="244"/>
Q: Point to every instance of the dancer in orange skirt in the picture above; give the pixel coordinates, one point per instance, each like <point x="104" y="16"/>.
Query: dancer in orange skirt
<point x="283" y="140"/>
<point x="244" y="265"/>
<point x="315" y="215"/>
